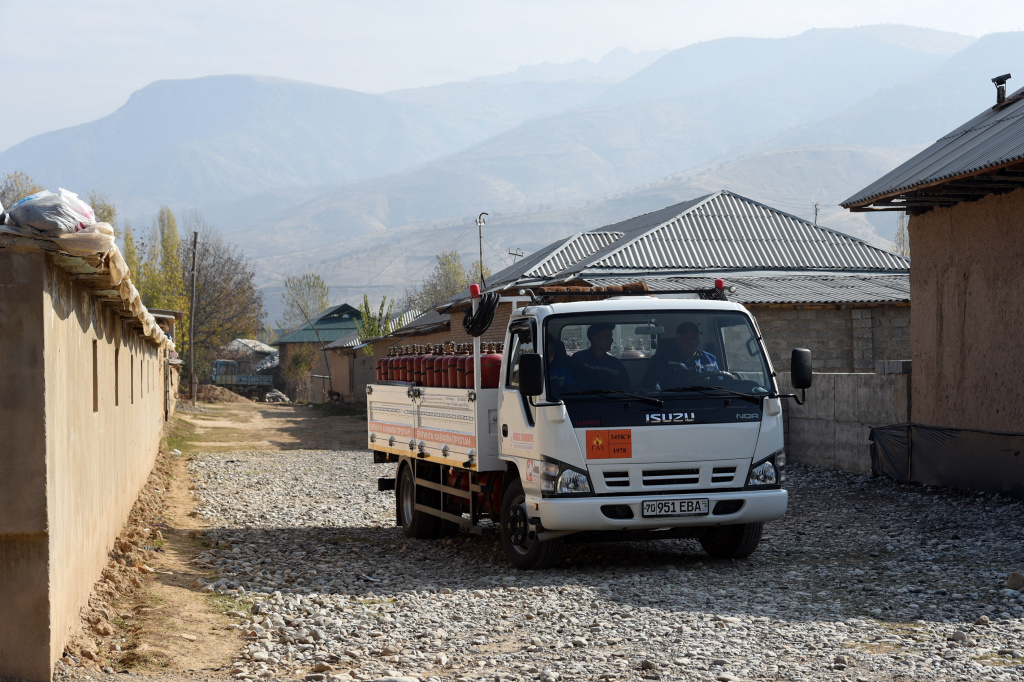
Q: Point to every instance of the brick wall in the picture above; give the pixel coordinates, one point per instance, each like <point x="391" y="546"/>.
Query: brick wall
<point x="841" y="338"/>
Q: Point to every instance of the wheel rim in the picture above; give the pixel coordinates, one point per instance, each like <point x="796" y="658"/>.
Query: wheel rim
<point x="518" y="526"/>
<point x="408" y="498"/>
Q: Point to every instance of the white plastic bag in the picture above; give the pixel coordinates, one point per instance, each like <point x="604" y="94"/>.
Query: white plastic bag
<point x="50" y="214"/>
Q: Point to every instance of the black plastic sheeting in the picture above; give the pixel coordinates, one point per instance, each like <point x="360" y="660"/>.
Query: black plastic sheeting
<point x="985" y="461"/>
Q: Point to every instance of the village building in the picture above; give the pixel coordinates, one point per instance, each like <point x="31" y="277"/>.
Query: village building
<point x="808" y="286"/>
<point x="964" y="196"/>
<point x="332" y="325"/>
<point x="88" y="376"/>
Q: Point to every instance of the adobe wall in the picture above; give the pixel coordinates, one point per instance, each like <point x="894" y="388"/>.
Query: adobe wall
<point x="966" y="328"/>
<point x="841" y="338"/>
<point x="82" y="403"/>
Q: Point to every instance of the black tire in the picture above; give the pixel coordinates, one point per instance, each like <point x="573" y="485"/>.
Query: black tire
<point x="524" y="552"/>
<point x="416" y="524"/>
<point x="732" y="542"/>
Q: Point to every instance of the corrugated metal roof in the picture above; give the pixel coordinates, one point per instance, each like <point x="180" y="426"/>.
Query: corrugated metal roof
<point x="725" y="231"/>
<point x="808" y="289"/>
<point x="572" y="251"/>
<point x="991" y="139"/>
<point x="332" y="325"/>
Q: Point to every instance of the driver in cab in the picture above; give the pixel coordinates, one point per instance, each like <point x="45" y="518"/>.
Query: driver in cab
<point x="594" y="368"/>
<point x="675" y="363"/>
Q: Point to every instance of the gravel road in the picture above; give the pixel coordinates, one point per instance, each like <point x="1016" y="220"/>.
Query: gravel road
<point x="863" y="580"/>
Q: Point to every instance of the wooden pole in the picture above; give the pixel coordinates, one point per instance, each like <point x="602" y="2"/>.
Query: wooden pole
<point x="192" y="323"/>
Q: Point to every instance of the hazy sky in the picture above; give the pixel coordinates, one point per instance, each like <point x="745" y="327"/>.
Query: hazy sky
<point x="71" y="61"/>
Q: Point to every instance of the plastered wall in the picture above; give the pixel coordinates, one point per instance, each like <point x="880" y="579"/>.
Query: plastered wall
<point x="82" y="408"/>
<point x="967" y="324"/>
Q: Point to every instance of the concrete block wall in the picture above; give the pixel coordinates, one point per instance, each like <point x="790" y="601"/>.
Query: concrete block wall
<point x="841" y="338"/>
<point x="81" y="416"/>
<point x="833" y="425"/>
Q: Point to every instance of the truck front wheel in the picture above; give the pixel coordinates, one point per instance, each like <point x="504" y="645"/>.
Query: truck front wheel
<point x="518" y="536"/>
<point x="732" y="542"/>
<point x="416" y="524"/>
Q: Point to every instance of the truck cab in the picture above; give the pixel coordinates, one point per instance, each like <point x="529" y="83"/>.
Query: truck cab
<point x="624" y="417"/>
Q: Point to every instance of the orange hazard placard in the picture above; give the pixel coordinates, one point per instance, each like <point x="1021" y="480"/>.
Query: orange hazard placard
<point x="597" y="445"/>
<point x="620" y="444"/>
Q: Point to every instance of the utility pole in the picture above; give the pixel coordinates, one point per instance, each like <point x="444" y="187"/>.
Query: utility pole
<point x="480" y="222"/>
<point x="816" y="206"/>
<point x="515" y="253"/>
<point x="192" y="323"/>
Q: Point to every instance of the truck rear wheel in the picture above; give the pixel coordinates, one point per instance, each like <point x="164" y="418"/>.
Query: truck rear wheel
<point x="732" y="542"/>
<point x="518" y="536"/>
<point x="416" y="524"/>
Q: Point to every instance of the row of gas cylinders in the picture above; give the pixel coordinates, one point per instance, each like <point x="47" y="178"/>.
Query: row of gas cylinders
<point x="441" y="366"/>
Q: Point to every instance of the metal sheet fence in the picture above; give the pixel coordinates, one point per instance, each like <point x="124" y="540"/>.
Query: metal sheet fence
<point x="985" y="461"/>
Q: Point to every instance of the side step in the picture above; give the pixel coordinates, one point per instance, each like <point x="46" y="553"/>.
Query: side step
<point x="385" y="484"/>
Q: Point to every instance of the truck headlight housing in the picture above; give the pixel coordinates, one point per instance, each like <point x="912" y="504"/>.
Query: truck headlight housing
<point x="769" y="472"/>
<point x="559" y="479"/>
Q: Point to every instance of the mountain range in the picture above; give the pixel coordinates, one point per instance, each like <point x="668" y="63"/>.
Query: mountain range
<point x="367" y="188"/>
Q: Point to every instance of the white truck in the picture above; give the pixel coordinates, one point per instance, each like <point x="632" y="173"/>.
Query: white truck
<point x="608" y="418"/>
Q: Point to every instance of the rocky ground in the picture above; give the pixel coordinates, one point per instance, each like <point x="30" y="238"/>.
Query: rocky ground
<point x="863" y="580"/>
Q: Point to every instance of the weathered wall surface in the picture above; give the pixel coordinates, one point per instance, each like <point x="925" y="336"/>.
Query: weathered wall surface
<point x="24" y="559"/>
<point x="80" y="438"/>
<point x="832" y="427"/>
<point x="967" y="284"/>
<point x="841" y="338"/>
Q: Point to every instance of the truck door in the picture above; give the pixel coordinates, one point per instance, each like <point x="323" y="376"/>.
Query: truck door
<point x="515" y="414"/>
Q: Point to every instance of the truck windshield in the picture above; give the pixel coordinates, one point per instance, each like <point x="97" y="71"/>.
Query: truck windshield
<point x="663" y="353"/>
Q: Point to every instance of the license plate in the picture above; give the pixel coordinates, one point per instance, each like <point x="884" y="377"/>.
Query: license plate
<point x="685" y="507"/>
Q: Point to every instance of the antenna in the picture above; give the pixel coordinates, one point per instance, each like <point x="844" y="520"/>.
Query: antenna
<point x="480" y="222"/>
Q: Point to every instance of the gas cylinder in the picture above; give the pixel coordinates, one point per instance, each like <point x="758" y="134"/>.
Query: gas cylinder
<point x="490" y="367"/>
<point x="417" y="367"/>
<point x="439" y="370"/>
<point x="452" y="371"/>
<point x="389" y="366"/>
<point x="400" y="366"/>
<point x="428" y="370"/>
<point x="460" y="371"/>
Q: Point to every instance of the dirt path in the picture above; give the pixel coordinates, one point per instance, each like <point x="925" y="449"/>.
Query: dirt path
<point x="170" y="628"/>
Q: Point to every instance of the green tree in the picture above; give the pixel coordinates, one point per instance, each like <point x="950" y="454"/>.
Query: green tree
<point x="299" y="368"/>
<point x="105" y="210"/>
<point x="131" y="256"/>
<point x="16" y="186"/>
<point x="902" y="234"/>
<point x="305" y="296"/>
<point x="449" y="277"/>
<point x="374" y="325"/>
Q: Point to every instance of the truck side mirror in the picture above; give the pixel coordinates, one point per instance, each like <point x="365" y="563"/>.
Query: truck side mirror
<point x="531" y="374"/>
<point x="800" y="368"/>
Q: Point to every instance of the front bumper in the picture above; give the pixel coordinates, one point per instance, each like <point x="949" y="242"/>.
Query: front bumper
<point x="586" y="513"/>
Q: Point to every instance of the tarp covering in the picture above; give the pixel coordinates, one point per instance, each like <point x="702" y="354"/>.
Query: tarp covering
<point x="986" y="461"/>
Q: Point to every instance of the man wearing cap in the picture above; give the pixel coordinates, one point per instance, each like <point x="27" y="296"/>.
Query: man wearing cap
<point x="682" y="358"/>
<point x="594" y="367"/>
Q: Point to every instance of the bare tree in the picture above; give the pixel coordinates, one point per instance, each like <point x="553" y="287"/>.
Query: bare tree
<point x="228" y="303"/>
<point x="305" y="297"/>
<point x="16" y="186"/>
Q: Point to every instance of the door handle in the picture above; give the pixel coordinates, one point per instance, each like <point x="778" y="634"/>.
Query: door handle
<point x="504" y="430"/>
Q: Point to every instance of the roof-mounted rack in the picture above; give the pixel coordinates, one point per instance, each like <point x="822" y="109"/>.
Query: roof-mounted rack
<point x="715" y="293"/>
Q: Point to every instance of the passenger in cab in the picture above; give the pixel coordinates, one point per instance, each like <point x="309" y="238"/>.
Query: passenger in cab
<point x="594" y="367"/>
<point x="676" y="362"/>
<point x="559" y="372"/>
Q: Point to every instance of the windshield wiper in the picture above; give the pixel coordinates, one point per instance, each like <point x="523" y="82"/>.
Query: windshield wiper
<point x="616" y="391"/>
<point x="752" y="397"/>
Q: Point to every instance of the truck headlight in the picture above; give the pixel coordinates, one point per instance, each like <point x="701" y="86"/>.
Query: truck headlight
<point x="572" y="482"/>
<point x="769" y="471"/>
<point x="558" y="478"/>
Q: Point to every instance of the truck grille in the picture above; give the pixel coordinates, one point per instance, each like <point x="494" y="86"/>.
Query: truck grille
<point x="616" y="479"/>
<point x="723" y="474"/>
<point x="671" y="477"/>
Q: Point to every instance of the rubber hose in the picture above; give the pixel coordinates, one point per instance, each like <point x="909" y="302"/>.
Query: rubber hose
<point x="476" y="325"/>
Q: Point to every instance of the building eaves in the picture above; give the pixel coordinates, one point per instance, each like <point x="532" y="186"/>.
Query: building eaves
<point x="797" y="289"/>
<point x="990" y="141"/>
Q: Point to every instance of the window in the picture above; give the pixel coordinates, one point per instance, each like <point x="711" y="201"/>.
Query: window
<point x="521" y="334"/>
<point x="95" y="378"/>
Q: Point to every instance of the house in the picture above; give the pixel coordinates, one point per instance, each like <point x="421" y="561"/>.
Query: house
<point x="333" y="324"/>
<point x="351" y="367"/>
<point x="808" y="286"/>
<point x="250" y="354"/>
<point x="964" y="196"/>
